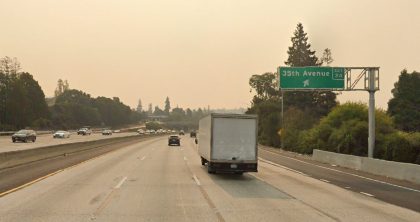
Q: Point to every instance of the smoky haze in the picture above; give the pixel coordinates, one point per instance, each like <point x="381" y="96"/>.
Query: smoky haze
<point x="201" y="53"/>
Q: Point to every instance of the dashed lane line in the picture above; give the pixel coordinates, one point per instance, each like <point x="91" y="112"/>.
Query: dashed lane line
<point x="120" y="183"/>
<point x="367" y="194"/>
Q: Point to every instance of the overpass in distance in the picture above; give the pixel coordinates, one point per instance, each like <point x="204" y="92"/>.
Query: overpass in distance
<point x="146" y="180"/>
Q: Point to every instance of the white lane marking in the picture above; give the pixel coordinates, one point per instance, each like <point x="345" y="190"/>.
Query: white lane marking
<point x="143" y="158"/>
<point x="367" y="194"/>
<point x="185" y="158"/>
<point x="326" y="181"/>
<point x="281" y="166"/>
<point x="120" y="183"/>
<point x="347" y="187"/>
<point x="333" y="165"/>
<point x="366" y="178"/>
<point x="196" y="180"/>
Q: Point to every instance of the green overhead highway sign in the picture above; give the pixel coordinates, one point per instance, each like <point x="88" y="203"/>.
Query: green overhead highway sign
<point x="311" y="78"/>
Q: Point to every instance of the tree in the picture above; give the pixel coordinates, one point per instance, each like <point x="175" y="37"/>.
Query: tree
<point x="150" y="109"/>
<point x="9" y="66"/>
<point x="300" y="53"/>
<point x="74" y="108"/>
<point x="61" y="87"/>
<point x="264" y="85"/>
<point x="317" y="104"/>
<point x="22" y="101"/>
<point x="167" y="105"/>
<point x="404" y="107"/>
<point x="189" y="113"/>
<point x="158" y="111"/>
<point x="139" y="107"/>
<point x="327" y="57"/>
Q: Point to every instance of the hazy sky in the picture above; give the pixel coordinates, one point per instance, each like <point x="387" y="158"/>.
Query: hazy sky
<point x="200" y="52"/>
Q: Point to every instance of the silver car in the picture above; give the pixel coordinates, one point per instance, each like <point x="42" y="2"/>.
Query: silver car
<point x="61" y="134"/>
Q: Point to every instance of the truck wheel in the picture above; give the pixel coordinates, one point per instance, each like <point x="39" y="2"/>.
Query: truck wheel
<point x="203" y="161"/>
<point x="14" y="140"/>
<point x="210" y="170"/>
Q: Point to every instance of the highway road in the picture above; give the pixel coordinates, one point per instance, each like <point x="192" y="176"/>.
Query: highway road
<point x="149" y="181"/>
<point x="7" y="145"/>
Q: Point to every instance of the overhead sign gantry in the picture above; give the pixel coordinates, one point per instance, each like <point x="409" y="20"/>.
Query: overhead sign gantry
<point x="321" y="78"/>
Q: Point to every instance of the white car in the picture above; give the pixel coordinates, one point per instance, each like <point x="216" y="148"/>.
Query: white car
<point x="61" y="134"/>
<point x="141" y="131"/>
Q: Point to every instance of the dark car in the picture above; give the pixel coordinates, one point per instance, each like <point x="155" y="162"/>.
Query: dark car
<point x="193" y="134"/>
<point x="24" y="136"/>
<point x="174" y="140"/>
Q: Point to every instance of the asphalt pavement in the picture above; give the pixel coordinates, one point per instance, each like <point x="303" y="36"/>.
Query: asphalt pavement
<point x="400" y="193"/>
<point x="149" y="181"/>
<point x="7" y="145"/>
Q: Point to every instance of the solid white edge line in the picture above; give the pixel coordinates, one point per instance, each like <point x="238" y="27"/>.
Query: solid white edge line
<point x="281" y="166"/>
<point x="196" y="180"/>
<point x="120" y="183"/>
<point x="367" y="194"/>
<point x="378" y="181"/>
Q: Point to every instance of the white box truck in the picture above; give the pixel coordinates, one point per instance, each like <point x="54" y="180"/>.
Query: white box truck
<point x="228" y="142"/>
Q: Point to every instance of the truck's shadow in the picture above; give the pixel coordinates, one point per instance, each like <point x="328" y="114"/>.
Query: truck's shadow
<point x="247" y="186"/>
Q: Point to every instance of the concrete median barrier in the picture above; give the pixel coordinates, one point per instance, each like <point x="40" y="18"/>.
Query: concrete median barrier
<point x="16" y="158"/>
<point x="402" y="171"/>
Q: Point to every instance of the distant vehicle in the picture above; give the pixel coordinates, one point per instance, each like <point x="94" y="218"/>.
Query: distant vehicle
<point x="181" y="132"/>
<point x="173" y="131"/>
<point x="117" y="131"/>
<point x="141" y="131"/>
<point x="61" y="134"/>
<point x="193" y="134"/>
<point x="152" y="131"/>
<point x="24" y="136"/>
<point x="174" y="140"/>
<point x="84" y="131"/>
<point x="107" y="132"/>
<point x="228" y="143"/>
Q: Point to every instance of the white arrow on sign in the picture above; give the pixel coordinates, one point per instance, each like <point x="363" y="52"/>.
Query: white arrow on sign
<point x="306" y="83"/>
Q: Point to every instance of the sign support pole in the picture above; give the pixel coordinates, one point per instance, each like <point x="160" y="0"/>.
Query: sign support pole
<point x="371" y="140"/>
<point x="282" y="120"/>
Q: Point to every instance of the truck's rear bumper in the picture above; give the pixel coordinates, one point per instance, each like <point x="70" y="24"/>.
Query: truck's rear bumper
<point x="233" y="167"/>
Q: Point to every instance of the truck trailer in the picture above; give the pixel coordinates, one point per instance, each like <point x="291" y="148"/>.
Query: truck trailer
<point x="228" y="143"/>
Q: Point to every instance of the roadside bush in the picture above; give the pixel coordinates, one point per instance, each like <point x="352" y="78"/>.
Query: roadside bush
<point x="345" y="130"/>
<point x="296" y="122"/>
<point x="153" y="125"/>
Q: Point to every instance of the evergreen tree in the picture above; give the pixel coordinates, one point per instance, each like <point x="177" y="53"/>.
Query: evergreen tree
<point x="300" y="53"/>
<point x="167" y="105"/>
<point x="139" y="107"/>
<point x="317" y="104"/>
<point x="150" y="110"/>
